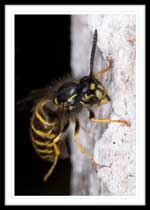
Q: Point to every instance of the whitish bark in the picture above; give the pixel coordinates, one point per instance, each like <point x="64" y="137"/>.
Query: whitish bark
<point x="110" y="144"/>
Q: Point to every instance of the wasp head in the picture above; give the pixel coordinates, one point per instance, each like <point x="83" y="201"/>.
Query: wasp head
<point x="91" y="92"/>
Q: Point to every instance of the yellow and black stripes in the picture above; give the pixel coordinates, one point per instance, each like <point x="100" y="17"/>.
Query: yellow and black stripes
<point x="42" y="120"/>
<point x="46" y="132"/>
<point x="44" y="129"/>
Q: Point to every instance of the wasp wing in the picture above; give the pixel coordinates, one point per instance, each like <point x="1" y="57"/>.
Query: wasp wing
<point x="64" y="154"/>
<point x="33" y="97"/>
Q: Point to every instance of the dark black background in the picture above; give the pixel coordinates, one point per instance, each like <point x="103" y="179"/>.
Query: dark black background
<point x="42" y="55"/>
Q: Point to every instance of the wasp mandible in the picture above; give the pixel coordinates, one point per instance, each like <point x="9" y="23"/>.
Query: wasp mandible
<point x="61" y="104"/>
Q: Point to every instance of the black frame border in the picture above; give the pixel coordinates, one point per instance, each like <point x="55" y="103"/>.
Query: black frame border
<point x="4" y="3"/>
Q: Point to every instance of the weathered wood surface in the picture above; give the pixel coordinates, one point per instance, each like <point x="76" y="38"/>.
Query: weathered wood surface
<point x="111" y="144"/>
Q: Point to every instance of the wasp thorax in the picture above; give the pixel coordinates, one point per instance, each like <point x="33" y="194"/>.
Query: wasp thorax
<point x="91" y="92"/>
<point x="66" y="96"/>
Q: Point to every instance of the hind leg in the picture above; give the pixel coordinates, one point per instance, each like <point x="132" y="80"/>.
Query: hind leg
<point x="77" y="127"/>
<point x="57" y="153"/>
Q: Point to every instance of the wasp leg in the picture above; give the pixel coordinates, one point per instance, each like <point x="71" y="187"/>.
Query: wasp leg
<point x="57" y="151"/>
<point x="109" y="66"/>
<point x="107" y="120"/>
<point x="59" y="137"/>
<point x="77" y="127"/>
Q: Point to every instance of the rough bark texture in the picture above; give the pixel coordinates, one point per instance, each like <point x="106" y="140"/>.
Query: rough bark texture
<point x="112" y="145"/>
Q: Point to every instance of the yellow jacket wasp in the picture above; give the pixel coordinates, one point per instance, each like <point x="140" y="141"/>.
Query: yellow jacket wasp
<point x="59" y="105"/>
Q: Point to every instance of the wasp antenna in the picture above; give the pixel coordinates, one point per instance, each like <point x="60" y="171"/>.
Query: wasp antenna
<point x="93" y="52"/>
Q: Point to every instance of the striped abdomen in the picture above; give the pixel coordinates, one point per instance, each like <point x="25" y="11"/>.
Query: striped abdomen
<point x="44" y="129"/>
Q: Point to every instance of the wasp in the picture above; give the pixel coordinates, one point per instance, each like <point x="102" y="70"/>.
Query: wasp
<point x="59" y="105"/>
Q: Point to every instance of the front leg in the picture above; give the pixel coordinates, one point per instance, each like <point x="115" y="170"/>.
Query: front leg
<point x="107" y="120"/>
<point x="109" y="66"/>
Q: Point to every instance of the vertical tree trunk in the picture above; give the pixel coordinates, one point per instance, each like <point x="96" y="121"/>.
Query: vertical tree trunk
<point x="112" y="145"/>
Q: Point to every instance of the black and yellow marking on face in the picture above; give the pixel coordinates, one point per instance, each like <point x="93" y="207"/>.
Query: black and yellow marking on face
<point x="92" y="86"/>
<point x="105" y="100"/>
<point x="87" y="97"/>
<point x="99" y="94"/>
<point x="100" y="87"/>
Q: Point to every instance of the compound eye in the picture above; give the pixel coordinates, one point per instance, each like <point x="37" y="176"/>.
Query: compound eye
<point x="84" y="85"/>
<point x="90" y="99"/>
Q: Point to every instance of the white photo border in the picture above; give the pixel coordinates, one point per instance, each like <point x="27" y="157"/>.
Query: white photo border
<point x="10" y="12"/>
